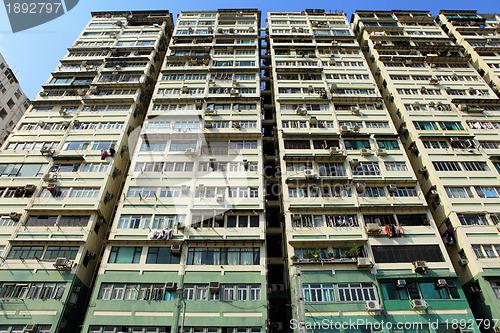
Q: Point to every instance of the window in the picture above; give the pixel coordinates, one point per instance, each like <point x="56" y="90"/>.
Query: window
<point x="487" y="192"/>
<point x="356" y="292"/>
<point x="134" y="222"/>
<point x="356" y="144"/>
<point x="458" y="192"/>
<point x="446" y="166"/>
<point x="182" y="145"/>
<point x="388" y="144"/>
<point x="495" y="285"/>
<point x="153" y="146"/>
<point x="396" y="166"/>
<point x="223" y="256"/>
<point x="407" y="253"/>
<point x="319" y="292"/>
<point x="486" y="251"/>
<point x="161" y="255"/>
<point x="54" y="252"/>
<point x="25" y="252"/>
<point x="418" y="290"/>
<point x="367" y="169"/>
<point x="374" y="192"/>
<point x="91" y="192"/>
<point x="405" y="191"/>
<point x="297" y="144"/>
<point x="472" y="219"/>
<point x="475" y="166"/>
<point x="125" y="255"/>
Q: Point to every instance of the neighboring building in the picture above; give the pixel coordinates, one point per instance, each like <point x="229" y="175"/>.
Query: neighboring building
<point x="62" y="169"/>
<point x="448" y="119"/>
<point x="362" y="244"/>
<point x="13" y="102"/>
<point x="186" y="251"/>
<point x="479" y="35"/>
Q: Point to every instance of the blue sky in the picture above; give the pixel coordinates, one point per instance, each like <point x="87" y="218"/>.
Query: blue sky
<point x="34" y="54"/>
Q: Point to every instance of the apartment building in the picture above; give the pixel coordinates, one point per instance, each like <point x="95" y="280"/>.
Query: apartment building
<point x="13" y="102"/>
<point x="447" y="117"/>
<point x="186" y="250"/>
<point x="479" y="35"/>
<point x="63" y="166"/>
<point x="362" y="244"/>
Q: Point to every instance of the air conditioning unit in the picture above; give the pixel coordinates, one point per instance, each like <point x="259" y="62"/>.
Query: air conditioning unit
<point x="366" y="152"/>
<point x="81" y="92"/>
<point x="301" y="111"/>
<point x="344" y="130"/>
<point x="392" y="188"/>
<point x="354" y="163"/>
<point x="381" y="152"/>
<point x="434" y="80"/>
<point x="119" y="23"/>
<point x="214" y="287"/>
<point x="210" y="111"/>
<point x="190" y="152"/>
<point x="373" y="228"/>
<point x="419" y="266"/>
<point x="335" y="150"/>
<point x="236" y="83"/>
<point x="30" y="188"/>
<point x="176" y="248"/>
<point x="208" y="125"/>
<point x="234" y="92"/>
<point x="354" y="109"/>
<point x="418" y="304"/>
<point x="220" y="198"/>
<point x="185" y="89"/>
<point x="378" y="105"/>
<point x="309" y="173"/>
<point x="63" y="112"/>
<point x="237" y="125"/>
<point x="463" y="262"/>
<point x="41" y="123"/>
<point x="360" y="188"/>
<point x="441" y="283"/>
<point x="31" y="328"/>
<point x="296" y="217"/>
<point x="401" y="283"/>
<point x="14" y="216"/>
<point x="185" y="189"/>
<point x="364" y="262"/>
<point x="170" y="286"/>
<point x="433" y="193"/>
<point x="313" y="121"/>
<point x="50" y="177"/>
<point x="61" y="263"/>
<point x="373" y="306"/>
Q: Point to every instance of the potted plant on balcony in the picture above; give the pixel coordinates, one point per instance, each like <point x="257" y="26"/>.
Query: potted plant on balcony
<point x="313" y="255"/>
<point x="294" y="258"/>
<point x="353" y="252"/>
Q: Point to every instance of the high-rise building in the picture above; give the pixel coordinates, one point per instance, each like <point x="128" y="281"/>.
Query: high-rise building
<point x="62" y="169"/>
<point x="478" y="34"/>
<point x="448" y="119"/>
<point x="363" y="247"/>
<point x="13" y="102"/>
<point x="186" y="249"/>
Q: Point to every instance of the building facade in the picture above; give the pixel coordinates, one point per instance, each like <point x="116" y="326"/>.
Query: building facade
<point x="62" y="169"/>
<point x="447" y="117"/>
<point x="186" y="251"/>
<point x="13" y="102"/>
<point x="216" y="177"/>
<point x="478" y="34"/>
<point x="362" y="245"/>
